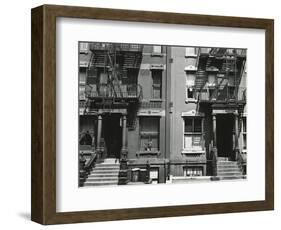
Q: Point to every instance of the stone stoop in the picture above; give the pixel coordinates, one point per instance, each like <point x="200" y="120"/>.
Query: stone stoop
<point x="227" y="170"/>
<point x="105" y="173"/>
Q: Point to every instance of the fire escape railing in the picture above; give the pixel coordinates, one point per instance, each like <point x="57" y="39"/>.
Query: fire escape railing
<point x="117" y="47"/>
<point x="108" y="91"/>
<point x="220" y="90"/>
<point x="215" y="94"/>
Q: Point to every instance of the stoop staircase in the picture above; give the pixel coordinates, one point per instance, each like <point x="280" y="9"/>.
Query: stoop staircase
<point x="105" y="173"/>
<point x="227" y="169"/>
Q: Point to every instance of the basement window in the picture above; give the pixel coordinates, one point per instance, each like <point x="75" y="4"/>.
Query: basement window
<point x="193" y="171"/>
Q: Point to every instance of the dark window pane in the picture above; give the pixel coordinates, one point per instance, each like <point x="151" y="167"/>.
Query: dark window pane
<point x="188" y="125"/>
<point x="197" y="125"/>
<point x="157" y="83"/>
<point x="244" y="124"/>
<point x="190" y="92"/>
<point x="149" y="124"/>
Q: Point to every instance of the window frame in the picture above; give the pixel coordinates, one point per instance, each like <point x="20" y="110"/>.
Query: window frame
<point x="142" y="134"/>
<point x="82" y="49"/>
<point x="193" y="169"/>
<point x="155" y="86"/>
<point x="193" y="133"/>
<point x="157" y="49"/>
<point x="190" y="86"/>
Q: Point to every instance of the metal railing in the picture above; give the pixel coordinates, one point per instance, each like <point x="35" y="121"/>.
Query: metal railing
<point x="225" y="94"/>
<point x="151" y="105"/>
<point x="109" y="91"/>
<point x="117" y="47"/>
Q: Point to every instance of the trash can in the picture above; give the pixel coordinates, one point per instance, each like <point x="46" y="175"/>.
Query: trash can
<point x="135" y="174"/>
<point x="142" y="175"/>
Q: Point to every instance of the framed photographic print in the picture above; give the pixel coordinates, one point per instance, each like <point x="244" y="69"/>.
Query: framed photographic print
<point x="140" y="114"/>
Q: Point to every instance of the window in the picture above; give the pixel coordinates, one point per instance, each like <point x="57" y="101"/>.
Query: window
<point x="231" y="92"/>
<point x="82" y="92"/>
<point x="157" y="49"/>
<point x="193" y="171"/>
<point x="149" y="133"/>
<point x="189" y="93"/>
<point x="84" y="47"/>
<point x="190" y="82"/>
<point x="244" y="132"/>
<point x="153" y="175"/>
<point x="82" y="75"/>
<point x="157" y="84"/>
<point x="85" y="139"/>
<point x="192" y="133"/>
<point x="190" y="51"/>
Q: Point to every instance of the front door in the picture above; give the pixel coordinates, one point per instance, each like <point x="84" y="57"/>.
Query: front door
<point x="225" y="124"/>
<point x="112" y="135"/>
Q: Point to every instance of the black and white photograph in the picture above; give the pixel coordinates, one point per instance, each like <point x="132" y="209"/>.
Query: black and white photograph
<point x="151" y="113"/>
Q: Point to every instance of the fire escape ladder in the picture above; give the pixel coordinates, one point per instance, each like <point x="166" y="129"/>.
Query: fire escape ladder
<point x="113" y="77"/>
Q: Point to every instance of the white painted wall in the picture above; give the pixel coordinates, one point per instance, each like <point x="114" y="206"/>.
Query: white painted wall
<point x="15" y="113"/>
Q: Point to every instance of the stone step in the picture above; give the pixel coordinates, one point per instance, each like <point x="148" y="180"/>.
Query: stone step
<point x="230" y="174"/>
<point x="93" y="179"/>
<point x="228" y="167"/>
<point x="107" y="165"/>
<point x="227" y="163"/>
<point x="106" y="168"/>
<point x="100" y="183"/>
<point x="107" y="174"/>
<point x="229" y="170"/>
<point x="231" y="177"/>
<point x="105" y="171"/>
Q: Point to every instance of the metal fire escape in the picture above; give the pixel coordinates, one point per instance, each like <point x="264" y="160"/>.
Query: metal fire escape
<point x="224" y="64"/>
<point x="107" y="68"/>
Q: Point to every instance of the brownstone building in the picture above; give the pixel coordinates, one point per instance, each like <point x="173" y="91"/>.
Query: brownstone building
<point x="159" y="114"/>
<point x="208" y="112"/>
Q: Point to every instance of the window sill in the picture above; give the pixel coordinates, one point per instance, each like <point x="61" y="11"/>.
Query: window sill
<point x="152" y="153"/>
<point x="192" y="151"/>
<point x="155" y="100"/>
<point x="157" y="55"/>
<point x="191" y="56"/>
<point x="190" y="100"/>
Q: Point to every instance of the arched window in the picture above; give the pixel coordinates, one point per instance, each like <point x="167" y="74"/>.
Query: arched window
<point x="86" y="139"/>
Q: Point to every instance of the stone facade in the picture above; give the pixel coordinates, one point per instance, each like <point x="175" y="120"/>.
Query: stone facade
<point x="158" y="109"/>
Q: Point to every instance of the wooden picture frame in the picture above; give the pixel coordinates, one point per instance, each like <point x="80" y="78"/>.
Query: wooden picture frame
<point x="43" y="205"/>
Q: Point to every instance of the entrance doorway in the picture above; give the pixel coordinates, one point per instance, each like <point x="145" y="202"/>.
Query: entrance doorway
<point x="112" y="133"/>
<point x="225" y="124"/>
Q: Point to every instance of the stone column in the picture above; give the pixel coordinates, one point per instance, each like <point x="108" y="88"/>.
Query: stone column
<point x="99" y="133"/>
<point x="214" y="131"/>
<point x="214" y="150"/>
<point x="236" y="150"/>
<point x="203" y="134"/>
<point x="123" y="173"/>
<point x="124" y="149"/>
